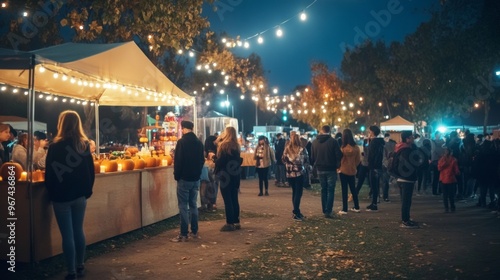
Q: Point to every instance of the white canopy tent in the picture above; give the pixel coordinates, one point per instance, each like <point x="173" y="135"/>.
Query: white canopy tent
<point x="117" y="74"/>
<point x="19" y="123"/>
<point x="214" y="122"/>
<point x="397" y="124"/>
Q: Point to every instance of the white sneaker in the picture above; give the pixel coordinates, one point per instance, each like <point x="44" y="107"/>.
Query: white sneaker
<point x="342" y="212"/>
<point x="355" y="210"/>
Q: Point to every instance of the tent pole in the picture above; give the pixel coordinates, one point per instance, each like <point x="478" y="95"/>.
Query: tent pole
<point x="31" y="119"/>
<point x="97" y="136"/>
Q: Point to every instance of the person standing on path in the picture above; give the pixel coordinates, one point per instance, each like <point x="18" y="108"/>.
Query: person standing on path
<point x="295" y="158"/>
<point x="264" y="157"/>
<point x="351" y="157"/>
<point x="227" y="169"/>
<point x="448" y="171"/>
<point x="279" y="147"/>
<point x="409" y="159"/>
<point x="326" y="156"/>
<point x="188" y="163"/>
<point x="69" y="179"/>
<point x="375" y="157"/>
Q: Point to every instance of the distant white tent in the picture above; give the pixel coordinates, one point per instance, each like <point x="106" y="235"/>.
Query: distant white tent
<point x="19" y="123"/>
<point x="397" y="124"/>
<point x="214" y="122"/>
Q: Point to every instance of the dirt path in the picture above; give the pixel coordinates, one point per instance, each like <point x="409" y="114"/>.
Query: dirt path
<point x="443" y="238"/>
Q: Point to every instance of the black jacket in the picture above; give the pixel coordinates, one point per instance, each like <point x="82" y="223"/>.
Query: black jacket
<point x="227" y="168"/>
<point x="68" y="174"/>
<point x="188" y="158"/>
<point x="325" y="153"/>
<point x="375" y="153"/>
<point x="409" y="161"/>
<point x="279" y="148"/>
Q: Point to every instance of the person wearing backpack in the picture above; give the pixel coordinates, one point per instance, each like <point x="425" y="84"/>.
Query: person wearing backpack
<point x="407" y="160"/>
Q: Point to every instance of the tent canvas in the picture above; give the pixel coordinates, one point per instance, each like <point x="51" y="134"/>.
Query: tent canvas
<point x="19" y="123"/>
<point x="117" y="74"/>
<point x="397" y="124"/>
<point x="214" y="122"/>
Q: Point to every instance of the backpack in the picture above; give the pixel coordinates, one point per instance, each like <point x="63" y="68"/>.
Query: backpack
<point x="392" y="164"/>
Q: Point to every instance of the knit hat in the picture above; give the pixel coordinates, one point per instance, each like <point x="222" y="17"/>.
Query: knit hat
<point x="187" y="124"/>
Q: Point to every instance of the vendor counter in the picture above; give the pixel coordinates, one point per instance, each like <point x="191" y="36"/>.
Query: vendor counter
<point x="121" y="202"/>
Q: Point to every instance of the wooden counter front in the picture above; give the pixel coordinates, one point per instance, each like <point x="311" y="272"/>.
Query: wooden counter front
<point x="121" y="202"/>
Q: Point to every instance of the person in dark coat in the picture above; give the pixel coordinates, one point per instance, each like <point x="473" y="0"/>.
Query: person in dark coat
<point x="279" y="147"/>
<point x="326" y="156"/>
<point x="375" y="158"/>
<point x="188" y="162"/>
<point x="69" y="179"/>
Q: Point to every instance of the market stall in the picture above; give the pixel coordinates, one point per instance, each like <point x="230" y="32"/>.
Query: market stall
<point x="395" y="125"/>
<point x="132" y="192"/>
<point x="214" y="122"/>
<point x="19" y="123"/>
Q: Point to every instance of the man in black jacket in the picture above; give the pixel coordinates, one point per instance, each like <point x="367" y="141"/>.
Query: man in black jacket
<point x="408" y="162"/>
<point x="188" y="163"/>
<point x="279" y="148"/>
<point x="375" y="157"/>
<point x="326" y="156"/>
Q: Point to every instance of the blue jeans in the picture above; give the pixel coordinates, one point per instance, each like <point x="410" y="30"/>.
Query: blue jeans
<point x="280" y="173"/>
<point x="297" y="189"/>
<point x="406" y="191"/>
<point x="187" y="198"/>
<point x="375" y="175"/>
<point x="327" y="179"/>
<point x="69" y="216"/>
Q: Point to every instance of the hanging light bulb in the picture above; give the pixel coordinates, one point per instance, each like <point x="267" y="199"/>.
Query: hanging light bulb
<point x="260" y="40"/>
<point x="279" y="32"/>
<point x="303" y="16"/>
<point x="246" y="45"/>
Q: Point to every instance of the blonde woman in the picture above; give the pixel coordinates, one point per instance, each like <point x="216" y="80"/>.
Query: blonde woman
<point x="227" y="170"/>
<point x="69" y="178"/>
<point x="350" y="160"/>
<point x="264" y="157"/>
<point x="295" y="157"/>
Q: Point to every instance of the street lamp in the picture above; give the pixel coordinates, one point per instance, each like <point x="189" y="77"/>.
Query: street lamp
<point x="227" y="104"/>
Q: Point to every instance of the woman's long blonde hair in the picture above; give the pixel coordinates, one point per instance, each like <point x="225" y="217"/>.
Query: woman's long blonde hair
<point x="293" y="146"/>
<point x="228" y="141"/>
<point x="69" y="126"/>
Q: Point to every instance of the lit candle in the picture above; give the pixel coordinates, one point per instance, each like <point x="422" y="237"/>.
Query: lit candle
<point x="119" y="167"/>
<point x="164" y="162"/>
<point x="103" y="169"/>
<point x="24" y="176"/>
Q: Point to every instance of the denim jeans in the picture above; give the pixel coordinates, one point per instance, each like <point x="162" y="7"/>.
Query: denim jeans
<point x="280" y="173"/>
<point x="327" y="179"/>
<point x="187" y="198"/>
<point x="69" y="216"/>
<point x="406" y="191"/>
<point x="348" y="181"/>
<point x="375" y="175"/>
<point x="297" y="189"/>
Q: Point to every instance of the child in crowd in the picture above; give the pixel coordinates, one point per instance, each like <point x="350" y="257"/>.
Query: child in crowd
<point x="448" y="168"/>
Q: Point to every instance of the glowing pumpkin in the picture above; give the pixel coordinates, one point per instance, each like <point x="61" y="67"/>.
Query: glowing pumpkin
<point x="97" y="167"/>
<point x="127" y="164"/>
<point x="139" y="163"/>
<point x="111" y="165"/>
<point x="169" y="159"/>
<point x="11" y="169"/>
